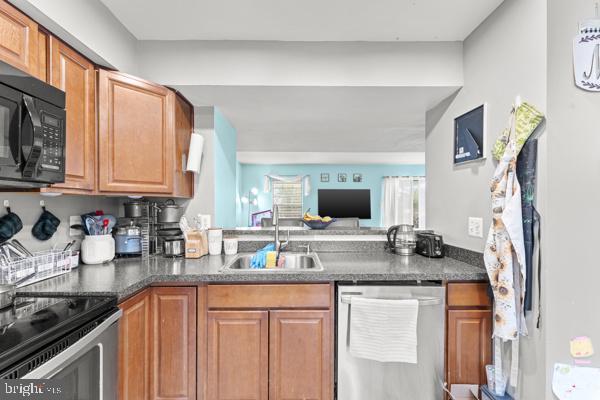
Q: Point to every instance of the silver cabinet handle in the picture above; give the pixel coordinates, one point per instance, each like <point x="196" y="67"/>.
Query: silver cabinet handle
<point x="346" y="298"/>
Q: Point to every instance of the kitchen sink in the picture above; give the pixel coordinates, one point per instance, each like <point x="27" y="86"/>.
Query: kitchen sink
<point x="293" y="262"/>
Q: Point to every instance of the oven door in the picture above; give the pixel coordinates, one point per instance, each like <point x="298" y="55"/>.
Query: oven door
<point x="10" y="131"/>
<point x="87" y="369"/>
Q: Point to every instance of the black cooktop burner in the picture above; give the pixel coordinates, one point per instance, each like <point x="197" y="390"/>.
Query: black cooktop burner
<point x="33" y="322"/>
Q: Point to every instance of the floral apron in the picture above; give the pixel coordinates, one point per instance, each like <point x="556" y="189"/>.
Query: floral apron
<point x="504" y="257"/>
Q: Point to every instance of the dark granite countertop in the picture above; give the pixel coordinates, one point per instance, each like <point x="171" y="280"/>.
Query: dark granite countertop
<point x="124" y="277"/>
<point x="297" y="230"/>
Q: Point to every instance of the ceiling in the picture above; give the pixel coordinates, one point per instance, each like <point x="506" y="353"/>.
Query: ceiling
<point x="307" y="20"/>
<point x="323" y="119"/>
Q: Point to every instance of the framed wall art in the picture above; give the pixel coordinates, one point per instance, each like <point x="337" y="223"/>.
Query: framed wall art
<point x="470" y="136"/>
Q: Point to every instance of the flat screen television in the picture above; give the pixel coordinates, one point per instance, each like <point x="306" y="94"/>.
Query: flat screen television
<point x="345" y="203"/>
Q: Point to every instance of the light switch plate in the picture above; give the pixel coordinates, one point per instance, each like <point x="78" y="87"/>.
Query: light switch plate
<point x="476" y="227"/>
<point x="74" y="220"/>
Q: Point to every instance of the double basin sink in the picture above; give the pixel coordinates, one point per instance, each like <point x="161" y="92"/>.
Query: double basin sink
<point x="294" y="262"/>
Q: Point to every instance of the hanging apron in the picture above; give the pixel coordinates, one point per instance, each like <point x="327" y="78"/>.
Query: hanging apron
<point x="504" y="257"/>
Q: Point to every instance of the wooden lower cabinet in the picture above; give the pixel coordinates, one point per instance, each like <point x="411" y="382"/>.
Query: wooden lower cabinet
<point x="238" y="351"/>
<point x="135" y="348"/>
<point x="469" y="334"/>
<point x="157" y="345"/>
<point x="300" y="354"/>
<point x="270" y="342"/>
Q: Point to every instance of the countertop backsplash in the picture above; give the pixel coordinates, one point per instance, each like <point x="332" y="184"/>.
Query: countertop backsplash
<point x="27" y="207"/>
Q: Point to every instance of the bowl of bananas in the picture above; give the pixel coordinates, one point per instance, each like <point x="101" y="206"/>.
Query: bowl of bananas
<point x="316" y="221"/>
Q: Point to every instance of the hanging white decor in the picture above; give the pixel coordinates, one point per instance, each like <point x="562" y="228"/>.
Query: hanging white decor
<point x="586" y="55"/>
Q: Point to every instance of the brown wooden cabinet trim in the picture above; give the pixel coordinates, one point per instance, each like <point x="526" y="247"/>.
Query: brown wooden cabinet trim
<point x="25" y="57"/>
<point x="269" y="296"/>
<point x="468" y="294"/>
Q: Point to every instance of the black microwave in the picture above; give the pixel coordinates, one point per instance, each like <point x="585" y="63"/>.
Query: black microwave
<point x="32" y="130"/>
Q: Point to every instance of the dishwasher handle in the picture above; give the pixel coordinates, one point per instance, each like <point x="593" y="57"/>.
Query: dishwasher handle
<point x="346" y="298"/>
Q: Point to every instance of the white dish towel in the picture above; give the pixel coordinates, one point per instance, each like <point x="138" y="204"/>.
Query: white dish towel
<point x="384" y="330"/>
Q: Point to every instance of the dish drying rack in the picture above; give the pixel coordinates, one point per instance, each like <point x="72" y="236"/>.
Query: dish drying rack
<point x="44" y="264"/>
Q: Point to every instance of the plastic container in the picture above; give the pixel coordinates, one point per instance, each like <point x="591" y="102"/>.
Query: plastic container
<point x="96" y="249"/>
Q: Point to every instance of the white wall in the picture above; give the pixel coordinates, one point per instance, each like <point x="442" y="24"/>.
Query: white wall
<point x="300" y="63"/>
<point x="89" y="27"/>
<point x="504" y="57"/>
<point x="204" y="192"/>
<point x="27" y="207"/>
<point x="571" y="268"/>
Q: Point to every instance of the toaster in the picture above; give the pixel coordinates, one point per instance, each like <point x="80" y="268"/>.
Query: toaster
<point x="430" y="245"/>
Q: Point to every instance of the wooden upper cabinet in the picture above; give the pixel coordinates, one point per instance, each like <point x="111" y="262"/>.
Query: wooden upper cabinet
<point x="469" y="346"/>
<point x="43" y="56"/>
<point x="173" y="360"/>
<point x="135" y="135"/>
<point x="18" y="39"/>
<point x="75" y="75"/>
<point x="238" y="355"/>
<point x="300" y="355"/>
<point x="184" y="125"/>
<point x="135" y="348"/>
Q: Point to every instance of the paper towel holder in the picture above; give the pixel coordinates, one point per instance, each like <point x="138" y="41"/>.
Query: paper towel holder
<point x="194" y="159"/>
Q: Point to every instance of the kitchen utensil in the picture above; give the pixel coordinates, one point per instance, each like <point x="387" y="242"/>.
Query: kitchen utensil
<point x="8" y="291"/>
<point x="402" y="240"/>
<point x="128" y="239"/>
<point x="430" y="245"/>
<point x="169" y="212"/>
<point x="18" y="245"/>
<point x="173" y="247"/>
<point x="96" y="249"/>
<point x="230" y="245"/>
<point x="105" y="226"/>
<point x="215" y="241"/>
<point x="184" y="226"/>
<point x="133" y="209"/>
<point x="169" y="232"/>
<point x="69" y="245"/>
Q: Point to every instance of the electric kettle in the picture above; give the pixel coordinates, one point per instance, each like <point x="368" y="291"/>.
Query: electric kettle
<point x="402" y="240"/>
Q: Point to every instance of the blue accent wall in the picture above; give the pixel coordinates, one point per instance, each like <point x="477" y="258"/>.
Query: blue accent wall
<point x="226" y="166"/>
<point x="252" y="175"/>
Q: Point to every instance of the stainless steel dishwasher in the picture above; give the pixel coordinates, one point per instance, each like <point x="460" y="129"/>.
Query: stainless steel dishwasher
<point x="360" y="379"/>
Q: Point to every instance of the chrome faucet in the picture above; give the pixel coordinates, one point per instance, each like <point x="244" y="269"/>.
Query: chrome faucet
<point x="279" y="246"/>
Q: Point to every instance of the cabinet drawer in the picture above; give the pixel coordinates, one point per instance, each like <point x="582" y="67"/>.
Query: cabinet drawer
<point x="467" y="294"/>
<point x="269" y="296"/>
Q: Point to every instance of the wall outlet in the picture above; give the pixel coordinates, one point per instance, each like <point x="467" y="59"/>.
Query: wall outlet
<point x="476" y="227"/>
<point x="74" y="220"/>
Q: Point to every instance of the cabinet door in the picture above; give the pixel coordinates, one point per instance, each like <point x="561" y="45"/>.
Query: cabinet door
<point x="75" y="75"/>
<point x="238" y="355"/>
<point x="300" y="356"/>
<point x="18" y="39"/>
<point x="173" y="359"/>
<point x="184" y="124"/>
<point x="43" y="55"/>
<point x="469" y="345"/>
<point x="134" y="348"/>
<point x="135" y="135"/>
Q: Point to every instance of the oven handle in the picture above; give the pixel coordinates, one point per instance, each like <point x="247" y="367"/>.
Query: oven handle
<point x="53" y="365"/>
<point x="34" y="153"/>
<point x="346" y="298"/>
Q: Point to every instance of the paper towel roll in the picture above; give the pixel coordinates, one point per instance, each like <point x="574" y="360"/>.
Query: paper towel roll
<point x="195" y="153"/>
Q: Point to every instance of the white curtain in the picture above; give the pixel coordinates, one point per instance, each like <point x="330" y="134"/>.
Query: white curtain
<point x="305" y="179"/>
<point x="398" y="201"/>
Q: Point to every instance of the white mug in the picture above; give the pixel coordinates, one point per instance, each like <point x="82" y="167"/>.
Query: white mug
<point x="215" y="241"/>
<point x="231" y="246"/>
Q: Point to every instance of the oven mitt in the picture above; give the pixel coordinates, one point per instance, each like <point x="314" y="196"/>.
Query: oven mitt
<point x="527" y="119"/>
<point x="45" y="226"/>
<point x="10" y="225"/>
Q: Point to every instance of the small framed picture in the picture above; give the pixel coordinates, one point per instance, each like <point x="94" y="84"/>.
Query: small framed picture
<point x="324" y="177"/>
<point x="342" y="177"/>
<point x="469" y="136"/>
<point x="356" y="178"/>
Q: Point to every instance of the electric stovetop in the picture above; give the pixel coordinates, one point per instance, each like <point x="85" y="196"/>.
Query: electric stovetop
<point x="34" y="322"/>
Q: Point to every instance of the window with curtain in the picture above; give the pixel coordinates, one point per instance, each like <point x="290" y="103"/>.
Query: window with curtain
<point x="403" y="201"/>
<point x="288" y="196"/>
